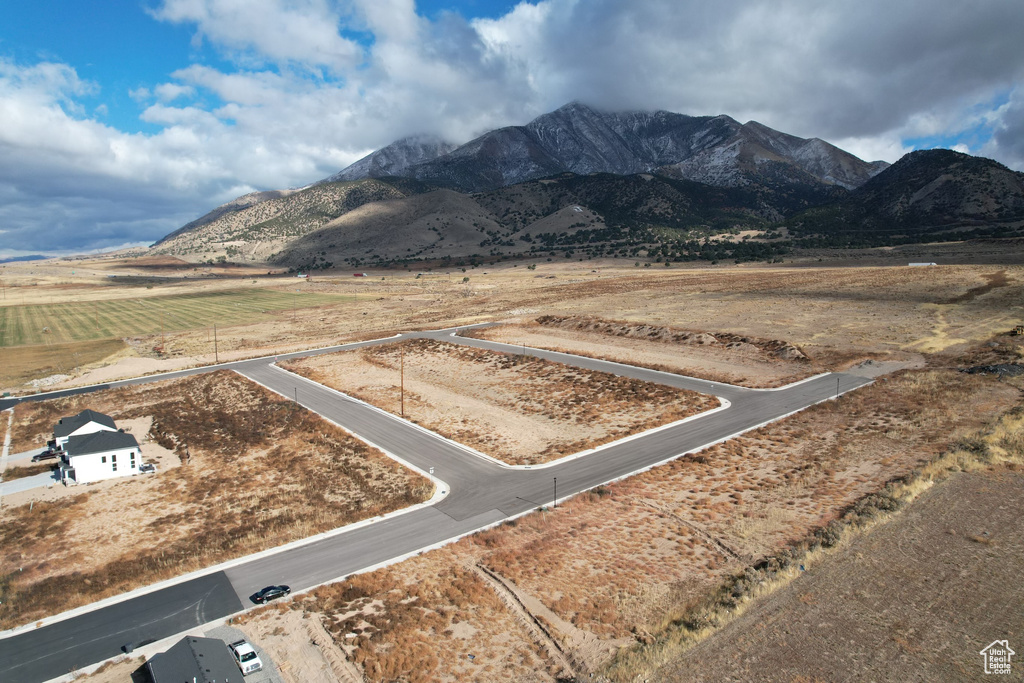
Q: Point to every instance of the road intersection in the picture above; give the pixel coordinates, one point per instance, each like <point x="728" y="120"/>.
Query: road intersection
<point x="479" y="492"/>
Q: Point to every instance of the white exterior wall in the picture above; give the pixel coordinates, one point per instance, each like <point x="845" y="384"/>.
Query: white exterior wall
<point x="88" y="428"/>
<point x="92" y="467"/>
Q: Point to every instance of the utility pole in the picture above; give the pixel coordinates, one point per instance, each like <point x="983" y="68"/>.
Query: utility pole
<point x="402" y="348"/>
<point x="216" y="356"/>
<point x="554" y="503"/>
<point x="837" y="388"/>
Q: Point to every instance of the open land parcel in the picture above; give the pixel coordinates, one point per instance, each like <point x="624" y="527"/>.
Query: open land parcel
<point x="637" y="561"/>
<point x="240" y="469"/>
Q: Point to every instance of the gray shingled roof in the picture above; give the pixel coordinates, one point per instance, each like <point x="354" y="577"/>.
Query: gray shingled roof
<point x="66" y="425"/>
<point x="99" y="442"/>
<point x="207" y="660"/>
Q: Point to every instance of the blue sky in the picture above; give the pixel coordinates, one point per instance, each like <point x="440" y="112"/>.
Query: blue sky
<point x="121" y="120"/>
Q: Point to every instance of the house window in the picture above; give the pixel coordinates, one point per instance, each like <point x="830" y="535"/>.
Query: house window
<point x="131" y="462"/>
<point x="113" y="460"/>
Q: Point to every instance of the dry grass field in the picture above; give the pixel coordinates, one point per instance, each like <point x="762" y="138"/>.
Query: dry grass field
<point x="879" y="309"/>
<point x="916" y="598"/>
<point x="628" y="580"/>
<point x="606" y="579"/>
<point x="202" y="507"/>
<point x="519" y="409"/>
<point x="727" y="358"/>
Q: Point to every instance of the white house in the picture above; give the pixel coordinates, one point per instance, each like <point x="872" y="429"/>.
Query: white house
<point x="100" y="455"/>
<point x="86" y="422"/>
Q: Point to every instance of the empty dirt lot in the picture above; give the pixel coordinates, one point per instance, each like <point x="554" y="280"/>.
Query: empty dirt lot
<point x="519" y="409"/>
<point x="240" y="469"/>
<point x="726" y="358"/>
<point x="916" y="599"/>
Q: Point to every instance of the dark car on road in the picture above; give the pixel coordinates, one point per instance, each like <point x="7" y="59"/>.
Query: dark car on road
<point x="48" y="454"/>
<point x="270" y="593"/>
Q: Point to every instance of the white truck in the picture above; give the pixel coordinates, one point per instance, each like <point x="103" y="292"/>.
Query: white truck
<point x="245" y="657"/>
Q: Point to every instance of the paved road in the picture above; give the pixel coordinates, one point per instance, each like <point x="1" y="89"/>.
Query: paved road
<point x="28" y="483"/>
<point x="482" y="492"/>
<point x="50" y="652"/>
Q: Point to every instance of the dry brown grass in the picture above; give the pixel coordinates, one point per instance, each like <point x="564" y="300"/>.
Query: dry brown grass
<point x="722" y="357"/>
<point x="666" y="550"/>
<point x="823" y="310"/>
<point x="430" y="619"/>
<point x="262" y="472"/>
<point x="647" y="542"/>
<point x="24" y="363"/>
<point x="519" y="409"/>
<point x="22" y="471"/>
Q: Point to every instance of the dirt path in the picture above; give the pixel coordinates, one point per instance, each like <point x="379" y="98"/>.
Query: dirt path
<point x="538" y="631"/>
<point x="995" y="280"/>
<point x="344" y="670"/>
<point x="578" y="652"/>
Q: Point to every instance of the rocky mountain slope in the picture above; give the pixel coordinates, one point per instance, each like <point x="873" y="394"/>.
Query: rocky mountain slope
<point x="578" y="139"/>
<point x="259" y="230"/>
<point x="925" y="192"/>
<point x="395" y="159"/>
<point x="599" y="213"/>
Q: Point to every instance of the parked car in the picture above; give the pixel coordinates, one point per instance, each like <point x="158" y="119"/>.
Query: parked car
<point x="147" y="468"/>
<point x="245" y="657"/>
<point x="48" y="454"/>
<point x="270" y="593"/>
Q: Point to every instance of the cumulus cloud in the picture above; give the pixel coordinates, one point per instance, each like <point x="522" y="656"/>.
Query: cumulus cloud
<point x="302" y="32"/>
<point x="315" y="84"/>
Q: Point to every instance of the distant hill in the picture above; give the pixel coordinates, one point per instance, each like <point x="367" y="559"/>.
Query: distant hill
<point x="597" y="214"/>
<point x="258" y="230"/>
<point x="33" y="257"/>
<point x="925" y="193"/>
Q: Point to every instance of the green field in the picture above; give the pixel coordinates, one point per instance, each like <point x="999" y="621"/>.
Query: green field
<point x="83" y="321"/>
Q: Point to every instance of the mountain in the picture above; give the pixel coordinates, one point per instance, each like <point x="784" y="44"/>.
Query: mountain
<point x="235" y="205"/>
<point x="925" y="192"/>
<point x="594" y="214"/>
<point x="755" y="153"/>
<point x="579" y="181"/>
<point x="579" y="139"/>
<point x="395" y="159"/>
<point x="256" y="228"/>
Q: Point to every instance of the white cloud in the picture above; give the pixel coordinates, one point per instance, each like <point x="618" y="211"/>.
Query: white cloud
<point x="282" y="31"/>
<point x="168" y="92"/>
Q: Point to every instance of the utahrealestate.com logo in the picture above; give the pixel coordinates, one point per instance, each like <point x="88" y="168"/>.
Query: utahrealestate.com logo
<point x="997" y="657"/>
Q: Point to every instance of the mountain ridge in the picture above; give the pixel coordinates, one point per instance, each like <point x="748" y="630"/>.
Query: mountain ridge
<point x="577" y="180"/>
<point x="579" y="139"/>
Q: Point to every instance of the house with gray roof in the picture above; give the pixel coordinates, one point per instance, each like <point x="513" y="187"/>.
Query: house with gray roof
<point x="203" y="660"/>
<point x="99" y="455"/>
<point x="86" y="422"/>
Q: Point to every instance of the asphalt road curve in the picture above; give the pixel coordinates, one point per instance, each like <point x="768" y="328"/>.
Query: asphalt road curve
<point x="482" y="492"/>
<point x="67" y="645"/>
